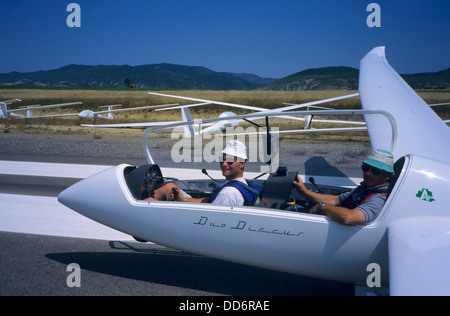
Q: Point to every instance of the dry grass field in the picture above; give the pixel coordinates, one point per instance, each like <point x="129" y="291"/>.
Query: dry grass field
<point x="134" y="98"/>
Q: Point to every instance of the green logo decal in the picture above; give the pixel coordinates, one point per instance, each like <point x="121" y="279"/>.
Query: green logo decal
<point x="425" y="195"/>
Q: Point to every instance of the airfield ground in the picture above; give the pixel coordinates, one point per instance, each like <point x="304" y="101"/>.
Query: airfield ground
<point x="92" y="98"/>
<point x="65" y="138"/>
<point x="115" y="149"/>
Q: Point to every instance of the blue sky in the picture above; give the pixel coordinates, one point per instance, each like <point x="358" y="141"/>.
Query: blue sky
<point x="268" y="38"/>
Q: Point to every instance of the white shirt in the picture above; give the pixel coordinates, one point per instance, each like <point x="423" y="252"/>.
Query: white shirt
<point x="230" y="195"/>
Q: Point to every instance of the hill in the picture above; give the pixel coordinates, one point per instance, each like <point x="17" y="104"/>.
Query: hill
<point x="170" y="76"/>
<point x="338" y="78"/>
<point x="156" y="76"/>
<point x="329" y="78"/>
<point x="429" y="80"/>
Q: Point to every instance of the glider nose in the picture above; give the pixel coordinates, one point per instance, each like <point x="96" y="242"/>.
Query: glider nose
<point x="72" y="196"/>
<point x="95" y="196"/>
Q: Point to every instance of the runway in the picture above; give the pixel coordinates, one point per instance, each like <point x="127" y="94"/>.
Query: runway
<point x="40" y="238"/>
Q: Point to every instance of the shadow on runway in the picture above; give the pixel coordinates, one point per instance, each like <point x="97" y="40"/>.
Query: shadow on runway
<point x="319" y="166"/>
<point x="165" y="266"/>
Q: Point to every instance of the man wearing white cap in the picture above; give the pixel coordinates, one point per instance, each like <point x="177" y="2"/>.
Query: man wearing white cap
<point x="236" y="190"/>
<point x="364" y="203"/>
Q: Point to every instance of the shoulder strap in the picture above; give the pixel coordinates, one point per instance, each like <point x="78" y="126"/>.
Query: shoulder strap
<point x="361" y="195"/>
<point x="369" y="196"/>
<point x="249" y="191"/>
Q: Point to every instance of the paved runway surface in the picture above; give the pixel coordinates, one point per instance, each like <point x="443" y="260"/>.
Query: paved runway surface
<point x="37" y="265"/>
<point x="39" y="238"/>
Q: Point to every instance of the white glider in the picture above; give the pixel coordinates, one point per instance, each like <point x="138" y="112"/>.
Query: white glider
<point x="406" y="248"/>
<point x="89" y="114"/>
<point x="30" y="109"/>
<point x="229" y="119"/>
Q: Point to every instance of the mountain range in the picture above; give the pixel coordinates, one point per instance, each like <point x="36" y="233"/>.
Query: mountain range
<point x="170" y="76"/>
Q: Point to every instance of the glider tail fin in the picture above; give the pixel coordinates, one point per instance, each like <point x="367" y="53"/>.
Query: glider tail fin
<point x="188" y="129"/>
<point x="3" y="110"/>
<point x="420" y="130"/>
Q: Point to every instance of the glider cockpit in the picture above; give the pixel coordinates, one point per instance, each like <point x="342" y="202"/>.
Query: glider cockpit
<point x="277" y="191"/>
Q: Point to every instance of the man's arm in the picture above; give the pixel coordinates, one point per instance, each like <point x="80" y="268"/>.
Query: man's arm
<point x="193" y="200"/>
<point x="314" y="196"/>
<point x="165" y="193"/>
<point x="339" y="214"/>
<point x="342" y="215"/>
<point x="181" y="198"/>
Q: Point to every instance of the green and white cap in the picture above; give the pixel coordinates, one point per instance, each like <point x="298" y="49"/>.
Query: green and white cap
<point x="381" y="159"/>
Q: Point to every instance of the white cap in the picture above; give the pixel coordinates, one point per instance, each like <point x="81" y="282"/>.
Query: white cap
<point x="235" y="148"/>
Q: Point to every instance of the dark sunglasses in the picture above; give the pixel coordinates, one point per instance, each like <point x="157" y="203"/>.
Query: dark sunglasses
<point x="365" y="168"/>
<point x="227" y="162"/>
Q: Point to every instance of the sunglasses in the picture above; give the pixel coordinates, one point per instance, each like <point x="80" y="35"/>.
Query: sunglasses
<point x="365" y="168"/>
<point x="227" y="162"/>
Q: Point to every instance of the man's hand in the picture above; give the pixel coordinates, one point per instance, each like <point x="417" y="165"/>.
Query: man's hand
<point x="299" y="185"/>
